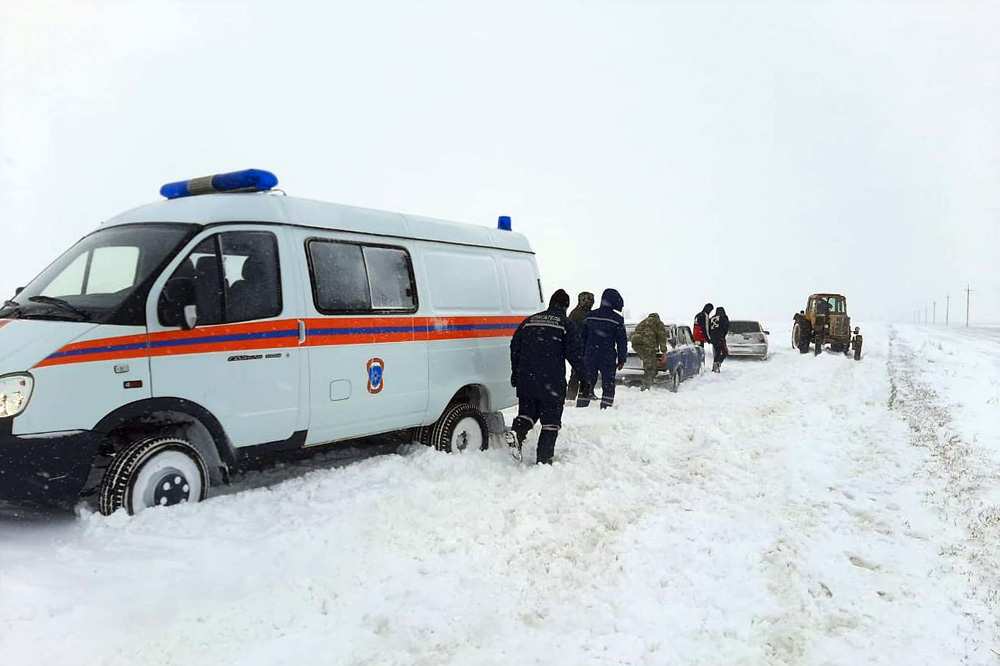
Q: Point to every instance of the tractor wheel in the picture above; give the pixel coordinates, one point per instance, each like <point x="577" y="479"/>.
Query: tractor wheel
<point x="796" y="336"/>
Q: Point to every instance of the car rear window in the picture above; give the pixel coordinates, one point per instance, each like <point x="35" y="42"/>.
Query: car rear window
<point x="744" y="327"/>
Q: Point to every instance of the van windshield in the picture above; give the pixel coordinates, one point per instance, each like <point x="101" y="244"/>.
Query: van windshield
<point x="103" y="279"/>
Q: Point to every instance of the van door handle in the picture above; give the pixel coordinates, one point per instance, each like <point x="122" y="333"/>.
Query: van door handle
<point x="302" y="332"/>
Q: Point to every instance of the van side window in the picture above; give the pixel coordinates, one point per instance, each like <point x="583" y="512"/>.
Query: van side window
<point x="348" y="277"/>
<point x="250" y="265"/>
<point x="234" y="277"/>
<point x="339" y="279"/>
<point x="390" y="278"/>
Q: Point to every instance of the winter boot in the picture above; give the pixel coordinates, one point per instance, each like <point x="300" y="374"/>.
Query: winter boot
<point x="715" y="367"/>
<point x="547" y="444"/>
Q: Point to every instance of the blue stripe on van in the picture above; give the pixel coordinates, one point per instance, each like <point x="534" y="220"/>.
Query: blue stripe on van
<point x="98" y="350"/>
<point x="232" y="337"/>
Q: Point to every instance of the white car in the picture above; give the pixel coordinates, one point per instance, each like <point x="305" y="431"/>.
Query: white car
<point x="747" y="338"/>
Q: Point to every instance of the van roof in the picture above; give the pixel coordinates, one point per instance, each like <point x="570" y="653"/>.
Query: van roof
<point x="261" y="207"/>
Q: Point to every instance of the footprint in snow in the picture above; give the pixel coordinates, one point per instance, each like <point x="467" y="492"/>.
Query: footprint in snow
<point x="863" y="563"/>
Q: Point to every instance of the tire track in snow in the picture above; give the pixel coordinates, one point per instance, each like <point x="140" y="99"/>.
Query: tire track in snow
<point x="962" y="470"/>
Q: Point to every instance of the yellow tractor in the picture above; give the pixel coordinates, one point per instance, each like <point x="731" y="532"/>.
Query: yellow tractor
<point x="823" y="322"/>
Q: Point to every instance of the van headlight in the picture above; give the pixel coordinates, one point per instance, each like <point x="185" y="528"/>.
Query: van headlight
<point x="15" y="392"/>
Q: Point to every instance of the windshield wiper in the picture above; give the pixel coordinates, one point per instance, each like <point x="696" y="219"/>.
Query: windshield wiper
<point x="15" y="308"/>
<point x="60" y="303"/>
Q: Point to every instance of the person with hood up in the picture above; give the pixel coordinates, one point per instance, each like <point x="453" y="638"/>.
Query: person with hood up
<point x="605" y="348"/>
<point x="718" y="327"/>
<point x="539" y="351"/>
<point x="700" y="329"/>
<point x="648" y="340"/>
<point x="584" y="304"/>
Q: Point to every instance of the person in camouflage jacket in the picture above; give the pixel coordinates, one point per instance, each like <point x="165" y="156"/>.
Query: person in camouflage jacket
<point x="648" y="340"/>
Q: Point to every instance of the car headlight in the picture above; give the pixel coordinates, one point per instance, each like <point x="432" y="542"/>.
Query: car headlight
<point x="15" y="392"/>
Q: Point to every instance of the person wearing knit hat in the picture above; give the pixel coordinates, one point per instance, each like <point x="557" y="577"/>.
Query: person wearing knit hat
<point x="539" y="351"/>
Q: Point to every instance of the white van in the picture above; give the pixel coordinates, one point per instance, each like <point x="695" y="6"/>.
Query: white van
<point x="187" y="336"/>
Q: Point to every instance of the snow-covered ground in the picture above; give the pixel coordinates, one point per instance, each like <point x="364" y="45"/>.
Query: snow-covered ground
<point x="795" y="511"/>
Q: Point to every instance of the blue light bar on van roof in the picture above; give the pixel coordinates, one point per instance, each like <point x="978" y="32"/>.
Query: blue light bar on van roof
<point x="249" y="180"/>
<point x="503" y="223"/>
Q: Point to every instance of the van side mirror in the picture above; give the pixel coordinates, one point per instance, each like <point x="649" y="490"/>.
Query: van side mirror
<point x="177" y="303"/>
<point x="767" y="332"/>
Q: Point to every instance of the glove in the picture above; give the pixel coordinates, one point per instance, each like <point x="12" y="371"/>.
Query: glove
<point x="621" y="365"/>
<point x="513" y="379"/>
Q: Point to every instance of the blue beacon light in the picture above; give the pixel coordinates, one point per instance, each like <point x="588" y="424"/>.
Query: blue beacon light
<point x="503" y="223"/>
<point x="248" y="180"/>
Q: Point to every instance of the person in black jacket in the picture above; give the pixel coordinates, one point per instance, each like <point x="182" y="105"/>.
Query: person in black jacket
<point x="539" y="350"/>
<point x="605" y="348"/>
<point x="718" y="327"/>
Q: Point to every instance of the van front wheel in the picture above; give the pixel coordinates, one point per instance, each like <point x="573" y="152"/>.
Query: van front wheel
<point x="462" y="428"/>
<point x="159" y="471"/>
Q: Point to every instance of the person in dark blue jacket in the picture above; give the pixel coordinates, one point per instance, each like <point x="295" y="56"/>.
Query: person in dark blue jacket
<point x="539" y="350"/>
<point x="605" y="347"/>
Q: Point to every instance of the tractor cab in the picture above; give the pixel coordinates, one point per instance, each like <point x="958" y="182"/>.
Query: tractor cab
<point x="825" y="322"/>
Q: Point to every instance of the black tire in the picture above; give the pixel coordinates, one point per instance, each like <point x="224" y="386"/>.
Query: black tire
<point x="117" y="489"/>
<point x="676" y="377"/>
<point x="423" y="434"/>
<point x="796" y="336"/>
<point x="459" y="415"/>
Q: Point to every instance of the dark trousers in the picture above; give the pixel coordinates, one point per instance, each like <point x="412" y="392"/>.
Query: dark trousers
<point x="549" y="412"/>
<point x="574" y="385"/>
<point x="719" y="351"/>
<point x="607" y="373"/>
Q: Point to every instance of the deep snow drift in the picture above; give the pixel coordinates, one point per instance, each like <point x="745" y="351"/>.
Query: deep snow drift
<point x="798" y="510"/>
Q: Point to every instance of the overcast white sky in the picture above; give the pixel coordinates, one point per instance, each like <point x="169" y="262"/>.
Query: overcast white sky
<point x="744" y="153"/>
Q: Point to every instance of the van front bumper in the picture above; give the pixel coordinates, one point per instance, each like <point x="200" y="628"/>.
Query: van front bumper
<point x="48" y="468"/>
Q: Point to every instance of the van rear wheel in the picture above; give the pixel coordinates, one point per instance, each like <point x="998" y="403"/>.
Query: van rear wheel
<point x="158" y="471"/>
<point x="462" y="428"/>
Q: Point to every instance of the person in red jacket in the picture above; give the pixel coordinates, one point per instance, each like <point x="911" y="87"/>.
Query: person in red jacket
<point x="700" y="329"/>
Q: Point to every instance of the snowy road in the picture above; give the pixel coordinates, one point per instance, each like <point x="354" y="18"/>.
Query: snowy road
<point x="796" y="511"/>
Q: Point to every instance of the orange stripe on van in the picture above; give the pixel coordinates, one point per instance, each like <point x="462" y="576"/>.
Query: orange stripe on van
<point x="320" y="332"/>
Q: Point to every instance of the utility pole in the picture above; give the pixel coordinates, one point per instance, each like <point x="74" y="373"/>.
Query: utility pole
<point x="947" y="308"/>
<point x="925" y="314"/>
<point x="968" y="291"/>
<point x="934" y="318"/>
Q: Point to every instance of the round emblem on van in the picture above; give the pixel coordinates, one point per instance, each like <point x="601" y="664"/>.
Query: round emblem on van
<point x="376" y="368"/>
